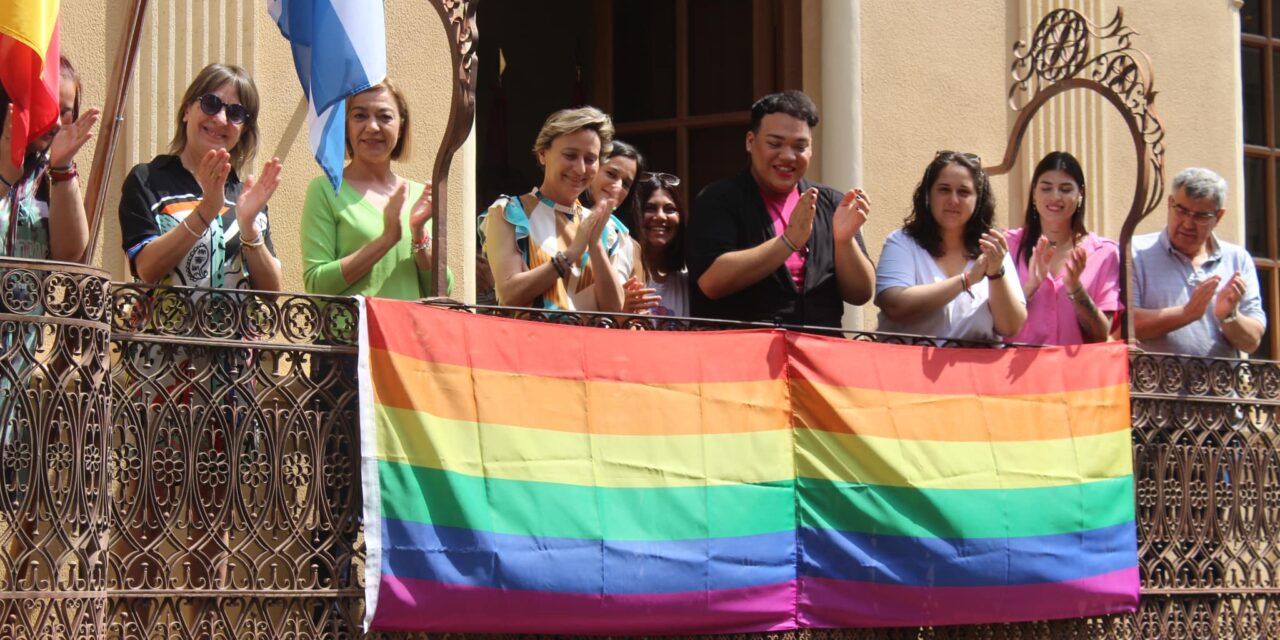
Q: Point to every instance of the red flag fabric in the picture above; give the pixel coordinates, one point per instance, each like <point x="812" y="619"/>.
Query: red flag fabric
<point x="30" y="76"/>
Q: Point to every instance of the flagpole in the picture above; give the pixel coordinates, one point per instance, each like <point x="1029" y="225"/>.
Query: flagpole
<point x="109" y="130"/>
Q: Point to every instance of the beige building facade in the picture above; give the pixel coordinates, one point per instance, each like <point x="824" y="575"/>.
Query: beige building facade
<point x="896" y="81"/>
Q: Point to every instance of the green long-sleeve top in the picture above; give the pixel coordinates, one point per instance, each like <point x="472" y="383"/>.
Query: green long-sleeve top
<point x="336" y="225"/>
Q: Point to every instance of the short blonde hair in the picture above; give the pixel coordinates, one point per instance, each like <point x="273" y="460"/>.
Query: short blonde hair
<point x="404" y="145"/>
<point x="210" y="79"/>
<point x="567" y="121"/>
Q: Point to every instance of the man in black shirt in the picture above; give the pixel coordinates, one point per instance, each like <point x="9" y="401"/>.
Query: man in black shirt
<point x="769" y="245"/>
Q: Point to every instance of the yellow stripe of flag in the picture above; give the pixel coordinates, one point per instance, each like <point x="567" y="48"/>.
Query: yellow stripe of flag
<point x="30" y="22"/>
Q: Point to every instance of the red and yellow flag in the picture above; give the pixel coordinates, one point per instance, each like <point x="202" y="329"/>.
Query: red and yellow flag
<point x="29" y="67"/>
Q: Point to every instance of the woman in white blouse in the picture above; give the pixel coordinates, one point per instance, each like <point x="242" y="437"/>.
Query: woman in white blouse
<point x="948" y="273"/>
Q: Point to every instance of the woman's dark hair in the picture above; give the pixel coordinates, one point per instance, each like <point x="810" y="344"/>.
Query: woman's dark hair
<point x="627" y="210"/>
<point x="647" y="185"/>
<point x="1055" y="161"/>
<point x="920" y="224"/>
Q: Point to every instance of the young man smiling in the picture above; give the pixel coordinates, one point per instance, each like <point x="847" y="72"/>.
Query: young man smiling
<point x="769" y="245"/>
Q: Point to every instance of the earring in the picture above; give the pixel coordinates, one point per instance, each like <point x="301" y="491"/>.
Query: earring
<point x="926" y="201"/>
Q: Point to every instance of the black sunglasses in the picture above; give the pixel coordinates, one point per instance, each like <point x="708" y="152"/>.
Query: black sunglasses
<point x="666" y="179"/>
<point x="211" y="105"/>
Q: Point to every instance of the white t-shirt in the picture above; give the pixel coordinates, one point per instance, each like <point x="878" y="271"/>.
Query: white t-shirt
<point x="904" y="263"/>
<point x="675" y="294"/>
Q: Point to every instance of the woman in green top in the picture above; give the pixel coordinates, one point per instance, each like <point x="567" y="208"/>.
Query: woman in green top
<point x="363" y="239"/>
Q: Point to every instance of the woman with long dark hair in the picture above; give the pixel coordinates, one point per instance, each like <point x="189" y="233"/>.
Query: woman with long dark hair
<point x="1070" y="277"/>
<point x="43" y="192"/>
<point x="944" y="273"/>
<point x="664" y="289"/>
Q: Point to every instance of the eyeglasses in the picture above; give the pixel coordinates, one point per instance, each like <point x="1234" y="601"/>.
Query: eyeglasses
<point x="1202" y="218"/>
<point x="971" y="157"/>
<point x="211" y="105"/>
<point x="666" y="179"/>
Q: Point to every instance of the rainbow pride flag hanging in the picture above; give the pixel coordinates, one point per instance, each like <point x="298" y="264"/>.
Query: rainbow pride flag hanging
<point x="536" y="478"/>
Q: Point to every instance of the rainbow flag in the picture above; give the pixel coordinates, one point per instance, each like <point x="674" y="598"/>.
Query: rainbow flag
<point x="535" y="478"/>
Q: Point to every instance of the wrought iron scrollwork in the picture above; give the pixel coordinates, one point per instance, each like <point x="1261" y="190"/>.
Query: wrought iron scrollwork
<point x="1069" y="51"/>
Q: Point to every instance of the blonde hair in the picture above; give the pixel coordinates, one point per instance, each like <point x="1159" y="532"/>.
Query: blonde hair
<point x="210" y="79"/>
<point x="567" y="121"/>
<point x="404" y="144"/>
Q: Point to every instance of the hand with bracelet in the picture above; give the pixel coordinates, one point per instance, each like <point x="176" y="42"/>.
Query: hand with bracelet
<point x="68" y="142"/>
<point x="800" y="226"/>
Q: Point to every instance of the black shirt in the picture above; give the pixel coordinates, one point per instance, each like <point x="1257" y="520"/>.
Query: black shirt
<point x="158" y="196"/>
<point x="730" y="215"/>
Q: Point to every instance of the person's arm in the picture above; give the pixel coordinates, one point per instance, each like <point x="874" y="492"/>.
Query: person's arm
<point x="901" y="298"/>
<point x="263" y="267"/>
<point x="734" y="271"/>
<point x="1004" y="292"/>
<point x="907" y="304"/>
<point x="66" y="205"/>
<point x="1094" y="324"/>
<point x="322" y="267"/>
<point x="515" y="284"/>
<point x="1156" y="323"/>
<point x="1242" y="330"/>
<point x="159" y="256"/>
<point x="854" y="272"/>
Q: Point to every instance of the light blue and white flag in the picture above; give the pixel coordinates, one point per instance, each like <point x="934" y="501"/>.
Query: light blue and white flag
<point x="339" y="48"/>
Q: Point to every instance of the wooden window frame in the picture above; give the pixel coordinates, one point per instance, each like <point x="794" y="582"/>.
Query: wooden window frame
<point x="1269" y="45"/>
<point x="776" y="60"/>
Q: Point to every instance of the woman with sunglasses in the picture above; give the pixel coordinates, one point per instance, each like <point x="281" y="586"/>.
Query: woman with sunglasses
<point x="1070" y="277"/>
<point x="546" y="249"/>
<point x="944" y="273"/>
<point x="355" y="241"/>
<point x="43" y="192"/>
<point x="186" y="218"/>
<point x="665" y="288"/>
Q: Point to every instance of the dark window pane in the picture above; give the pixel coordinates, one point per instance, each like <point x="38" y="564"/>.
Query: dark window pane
<point x="1267" y="278"/>
<point x="719" y="56"/>
<point x="1255" y="205"/>
<point x="715" y="154"/>
<point x="658" y="149"/>
<point x="1251" y="17"/>
<point x="1251" y="79"/>
<point x="644" y="56"/>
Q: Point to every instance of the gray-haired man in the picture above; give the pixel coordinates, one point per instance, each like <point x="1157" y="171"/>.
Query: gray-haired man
<point x="1194" y="293"/>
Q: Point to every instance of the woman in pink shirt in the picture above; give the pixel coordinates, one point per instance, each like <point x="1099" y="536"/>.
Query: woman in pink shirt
<point x="1070" y="277"/>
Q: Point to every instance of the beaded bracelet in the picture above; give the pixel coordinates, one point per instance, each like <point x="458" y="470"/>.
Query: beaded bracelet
<point x="559" y="262"/>
<point x="420" y="246"/>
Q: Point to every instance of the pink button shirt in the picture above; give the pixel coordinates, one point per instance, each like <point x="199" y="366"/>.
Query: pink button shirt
<point x="780" y="209"/>
<point x="1051" y="318"/>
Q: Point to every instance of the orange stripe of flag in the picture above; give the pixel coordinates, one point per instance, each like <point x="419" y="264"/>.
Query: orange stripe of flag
<point x="938" y="371"/>
<point x="579" y="406"/>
